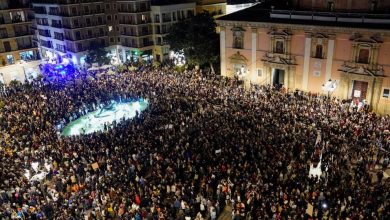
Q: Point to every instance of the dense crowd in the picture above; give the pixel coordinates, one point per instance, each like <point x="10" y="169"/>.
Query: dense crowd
<point x="202" y="143"/>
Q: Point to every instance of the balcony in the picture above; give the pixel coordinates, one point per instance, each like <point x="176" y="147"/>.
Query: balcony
<point x="135" y="34"/>
<point x="56" y="25"/>
<point x="25" y="46"/>
<point x="61" y="38"/>
<point x="133" y="11"/>
<point x="14" y="5"/>
<point x="40" y="10"/>
<point x="86" y="37"/>
<point x="63" y="50"/>
<point x="166" y="20"/>
<point x="17" y="34"/>
<point x="64" y="2"/>
<point x="19" y="20"/>
<point x="23" y="33"/>
<point x="43" y="23"/>
<point x="147" y="44"/>
<point x="84" y="25"/>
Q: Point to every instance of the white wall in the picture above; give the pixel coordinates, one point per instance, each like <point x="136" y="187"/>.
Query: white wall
<point x="18" y="71"/>
<point x="233" y="8"/>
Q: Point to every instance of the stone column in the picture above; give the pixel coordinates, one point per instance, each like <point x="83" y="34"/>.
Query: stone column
<point x="329" y="59"/>
<point x="222" y="41"/>
<point x="306" y="63"/>
<point x="254" y="51"/>
<point x="376" y="92"/>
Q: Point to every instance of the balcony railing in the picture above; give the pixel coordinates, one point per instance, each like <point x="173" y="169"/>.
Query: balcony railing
<point x="61" y="49"/>
<point x="27" y="46"/>
<point x="14" y="5"/>
<point x="56" y="25"/>
<point x="18" y="20"/>
<point x="150" y="43"/>
<point x="43" y="23"/>
<point x="133" y="10"/>
<point x="23" y="33"/>
<point x="84" y="25"/>
<point x="40" y="10"/>
<point x="166" y="20"/>
<point x="65" y="2"/>
<point x="134" y="34"/>
<point x="85" y="37"/>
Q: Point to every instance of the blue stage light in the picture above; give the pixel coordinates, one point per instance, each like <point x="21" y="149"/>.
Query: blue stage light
<point x="58" y="67"/>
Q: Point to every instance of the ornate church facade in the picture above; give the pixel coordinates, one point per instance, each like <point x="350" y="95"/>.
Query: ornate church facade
<point x="302" y="44"/>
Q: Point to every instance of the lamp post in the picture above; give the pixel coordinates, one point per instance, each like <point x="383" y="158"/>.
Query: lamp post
<point x="329" y="87"/>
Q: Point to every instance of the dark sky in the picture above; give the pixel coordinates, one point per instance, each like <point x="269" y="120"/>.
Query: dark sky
<point x="239" y="1"/>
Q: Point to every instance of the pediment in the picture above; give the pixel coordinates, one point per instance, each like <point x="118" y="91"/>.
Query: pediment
<point x="238" y="28"/>
<point x="238" y="58"/>
<point x="361" y="70"/>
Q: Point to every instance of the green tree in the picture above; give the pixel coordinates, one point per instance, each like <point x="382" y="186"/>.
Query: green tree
<point x="197" y="38"/>
<point x="97" y="54"/>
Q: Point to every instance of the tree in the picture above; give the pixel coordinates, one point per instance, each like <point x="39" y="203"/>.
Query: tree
<point x="197" y="38"/>
<point x="97" y="54"/>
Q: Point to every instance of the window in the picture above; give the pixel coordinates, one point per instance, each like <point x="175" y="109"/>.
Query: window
<point x="143" y="18"/>
<point x="88" y="21"/>
<point x="259" y="72"/>
<point x="157" y="18"/>
<point x="111" y="39"/>
<point x="78" y="35"/>
<point x="7" y="46"/>
<point x="58" y="36"/>
<point x="76" y="23"/>
<point x="364" y="55"/>
<point x="318" y="51"/>
<point x="79" y="47"/>
<point x="10" y="59"/>
<point x="174" y="16"/>
<point x="279" y="46"/>
<point x="107" y="6"/>
<point x="330" y="6"/>
<point x="386" y="93"/>
<point x="238" y="41"/>
<point x="74" y="11"/>
<point x="86" y="9"/>
<point x="109" y="17"/>
<point x="374" y="5"/>
<point x="3" y="33"/>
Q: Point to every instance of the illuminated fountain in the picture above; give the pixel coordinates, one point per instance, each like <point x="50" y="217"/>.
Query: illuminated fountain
<point x="97" y="120"/>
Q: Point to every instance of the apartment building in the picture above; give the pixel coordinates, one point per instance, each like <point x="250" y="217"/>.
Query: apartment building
<point x="164" y="15"/>
<point x="135" y="39"/>
<point x="69" y="28"/>
<point x="16" y="35"/>
<point x="303" y="46"/>
<point x="215" y="7"/>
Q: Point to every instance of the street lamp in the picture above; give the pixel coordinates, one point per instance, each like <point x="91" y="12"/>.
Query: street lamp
<point x="329" y="87"/>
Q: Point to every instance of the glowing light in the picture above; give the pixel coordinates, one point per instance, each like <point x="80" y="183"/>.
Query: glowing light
<point x="178" y="58"/>
<point x="324" y="205"/>
<point x="35" y="165"/>
<point x="58" y="67"/>
<point x="104" y="117"/>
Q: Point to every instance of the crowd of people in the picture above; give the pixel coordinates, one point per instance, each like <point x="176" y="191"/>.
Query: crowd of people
<point x="202" y="144"/>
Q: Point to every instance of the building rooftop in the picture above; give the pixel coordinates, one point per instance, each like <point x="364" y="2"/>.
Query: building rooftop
<point x="271" y="13"/>
<point x="170" y="2"/>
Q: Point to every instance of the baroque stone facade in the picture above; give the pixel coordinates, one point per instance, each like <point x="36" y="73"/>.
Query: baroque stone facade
<point x="306" y="51"/>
